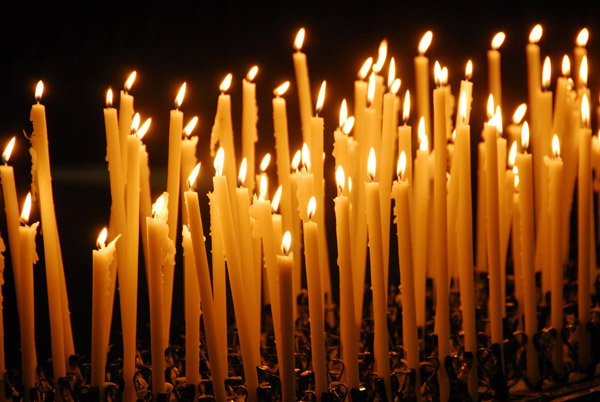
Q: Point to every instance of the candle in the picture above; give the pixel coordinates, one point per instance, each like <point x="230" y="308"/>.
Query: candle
<point x="102" y="258"/>
<point x="379" y="89"/>
<point x="285" y="265"/>
<point x="217" y="363"/>
<point x="249" y="120"/>
<point x="405" y="139"/>
<point x="379" y="288"/>
<point x="145" y="199"/>
<point x="580" y="52"/>
<point x="513" y="130"/>
<point x="126" y="113"/>
<point x="340" y="139"/>
<point x="192" y="312"/>
<point x="27" y="259"/>
<point x="422" y="83"/>
<point x="189" y="145"/>
<point x="481" y="245"/>
<point x="562" y="100"/>
<point x="296" y="227"/>
<point x="2" y="357"/>
<point x="303" y="84"/>
<point x="516" y="248"/>
<point x="494" y="74"/>
<point x="283" y="154"/>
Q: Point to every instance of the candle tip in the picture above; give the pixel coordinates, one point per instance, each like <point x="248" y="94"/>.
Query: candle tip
<point x="425" y="42"/>
<point x="299" y="40"/>
<point x="286" y="243"/>
<point x="8" y="150"/>
<point x="381" y="55"/>
<point x="39" y="90"/>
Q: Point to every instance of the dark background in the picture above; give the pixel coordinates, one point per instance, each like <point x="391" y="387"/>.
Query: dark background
<point x="81" y="50"/>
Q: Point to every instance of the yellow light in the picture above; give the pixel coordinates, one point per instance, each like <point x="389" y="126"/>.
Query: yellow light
<point x="299" y="40"/>
<point x="343" y="113"/>
<point x="512" y="154"/>
<point x="280" y="90"/>
<point x="425" y="42"/>
<point x="469" y="70"/>
<point x="8" y="150"/>
<point x="219" y="159"/>
<point x="585" y="111"/>
<point x="286" y="242"/>
<point x="444" y="76"/>
<point x="144" y="128"/>
<point x="536" y="34"/>
<point x="312" y="207"/>
<point x="423" y="141"/>
<point x="372" y="164"/>
<point x="242" y="174"/>
<point x="395" y="86"/>
<point x="305" y="157"/>
<point x="437" y="74"/>
<point x="401" y="167"/>
<point x="193" y="176"/>
<point x="276" y="199"/>
<point x="555" y="146"/>
<point x="26" y="209"/>
<point x="252" y="73"/>
<point x="101" y="241"/>
<point x="135" y="123"/>
<point x="39" y="90"/>
<point x="406" y="108"/>
<point x="498" y="40"/>
<point x="582" y="37"/>
<point x="348" y="126"/>
<point x="159" y="208"/>
<point x="321" y="98"/>
<point x="546" y="73"/>
<point x="525" y="136"/>
<point x="490" y="106"/>
<point x="264" y="187"/>
<point x="516" y="173"/>
<point x="180" y="95"/>
<point x="190" y="126"/>
<point x="296" y="160"/>
<point x="462" y="107"/>
<point x="382" y="54"/>
<point x="340" y="179"/>
<point x="583" y="71"/>
<point x="371" y="89"/>
<point x="364" y="70"/>
<point x="391" y="74"/>
<point x="109" y="98"/>
<point x="264" y="164"/>
<point x="226" y="83"/>
<point x="130" y="81"/>
<point x="519" y="113"/>
<point x="566" y="66"/>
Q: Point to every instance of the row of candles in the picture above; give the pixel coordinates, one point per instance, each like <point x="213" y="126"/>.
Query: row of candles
<point x="432" y="211"/>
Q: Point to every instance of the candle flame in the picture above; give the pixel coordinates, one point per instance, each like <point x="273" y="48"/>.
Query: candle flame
<point x="296" y="160"/>
<point x="144" y="128"/>
<point x="555" y="146"/>
<point x="348" y="126"/>
<point x="180" y="95"/>
<point x="566" y="66"/>
<point x="321" y="98"/>
<point x="276" y="199"/>
<point x="343" y="113"/>
<point x="242" y="173"/>
<point x="135" y="123"/>
<point x="462" y="107"/>
<point x="425" y="42"/>
<point x="536" y="34"/>
<point x="437" y="74"/>
<point x="582" y="37"/>
<point x="109" y="98"/>
<point x="364" y="70"/>
<point x="8" y="150"/>
<point x="130" y="81"/>
<point x="444" y="76"/>
<point x="372" y="164"/>
<point x="305" y="157"/>
<point x="286" y="242"/>
<point x="512" y="154"/>
<point x="423" y="141"/>
<point x="159" y="208"/>
<point x="583" y="71"/>
<point x="26" y="209"/>
<point x="219" y="160"/>
<point x="371" y="90"/>
<point x="280" y="90"/>
<point x="519" y="113"/>
<point x="340" y="179"/>
<point x="401" y="167"/>
<point x="382" y="54"/>
<point x="395" y="86"/>
<point x="312" y="207"/>
<point x="585" y="111"/>
<point x="252" y="73"/>
<point x="193" y="176"/>
<point x="516" y="173"/>
<point x="406" y="108"/>
<point x="490" y="106"/>
<point x="101" y="241"/>
<point x="264" y="164"/>
<point x="498" y="40"/>
<point x="263" y="187"/>
<point x="391" y="74"/>
<point x="226" y="83"/>
<point x="498" y="119"/>
<point x="39" y="90"/>
<point x="349" y="184"/>
<point x="546" y="74"/>
<point x="187" y="131"/>
<point x="469" y="70"/>
<point x="525" y="136"/>
<point x="299" y="40"/>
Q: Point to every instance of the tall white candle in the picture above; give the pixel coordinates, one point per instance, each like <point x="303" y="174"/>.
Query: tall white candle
<point x="249" y="120"/>
<point x="285" y="265"/>
<point x="494" y="74"/>
<point x="422" y="83"/>
<point x="303" y="86"/>
<point x="126" y="112"/>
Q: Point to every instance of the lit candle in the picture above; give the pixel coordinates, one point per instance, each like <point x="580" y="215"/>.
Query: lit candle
<point x="532" y="51"/>
<point x="249" y="120"/>
<point x="494" y="73"/>
<point x="285" y="265"/>
<point x="379" y="89"/>
<point x="145" y="199"/>
<point x="340" y="139"/>
<point x="481" y="243"/>
<point x="192" y="311"/>
<point x="405" y="139"/>
<point x="282" y="148"/>
<point x="126" y="113"/>
<point x="303" y="84"/>
<point x="422" y="83"/>
<point x="2" y="357"/>
<point x="580" y="52"/>
<point x="189" y="144"/>
<point x="379" y="288"/>
<point x="508" y="184"/>
<point x="296" y="227"/>
<point x="513" y="130"/>
<point x="516" y="248"/>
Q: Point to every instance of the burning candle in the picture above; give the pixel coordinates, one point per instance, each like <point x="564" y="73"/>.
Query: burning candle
<point x="285" y="265"/>
<point x="249" y="120"/>
<point x="283" y="154"/>
<point x="494" y="74"/>
<point x="405" y="139"/>
<point x="580" y="52"/>
<point x="189" y="144"/>
<point x="513" y="130"/>
<point x="192" y="311"/>
<point x="126" y="113"/>
<point x="422" y="83"/>
<point x="303" y="84"/>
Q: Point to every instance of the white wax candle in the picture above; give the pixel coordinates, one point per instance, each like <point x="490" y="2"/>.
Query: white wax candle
<point x="249" y="120"/>
<point x="303" y="87"/>
<point x="285" y="265"/>
<point x="126" y="112"/>
<point x="280" y="131"/>
<point x="421" y="196"/>
<point x="192" y="311"/>
<point x="422" y="83"/>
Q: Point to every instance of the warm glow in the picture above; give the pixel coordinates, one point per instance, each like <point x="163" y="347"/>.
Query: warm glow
<point x="423" y="141"/>
<point x="109" y="98"/>
<point x="546" y="74"/>
<point x="582" y="38"/>
<point x="498" y="40"/>
<point x="280" y="90"/>
<point x="406" y="108"/>
<point x="190" y="126"/>
<point x="391" y="74"/>
<point x="263" y="187"/>
<point x="8" y="150"/>
<point x="299" y="40"/>
<point x="276" y="199"/>
<point x="343" y="113"/>
<point x="226" y="83"/>
<point x="305" y="157"/>
<point x="130" y="80"/>
<point x="348" y="126"/>
<point x="469" y="70"/>
<point x="437" y="74"/>
<point x="296" y="160"/>
<point x="372" y="164"/>
<point x="583" y="71"/>
<point x="349" y="184"/>
<point x="159" y="208"/>
<point x="585" y="111"/>
<point x="454" y="136"/>
<point x="525" y="136"/>
<point x="39" y="90"/>
<point x="498" y="119"/>
<point x="135" y="123"/>
<point x="252" y="73"/>
<point x="490" y="106"/>
<point x="371" y="89"/>
<point x="321" y="98"/>
<point x="395" y="86"/>
<point x="555" y="146"/>
<point x="264" y="164"/>
<point x="516" y="173"/>
<point x="382" y="54"/>
<point x="26" y="209"/>
<point x="536" y="34"/>
<point x="144" y="128"/>
<point x="444" y="76"/>
<point x="219" y="160"/>
<point x="566" y="66"/>
<point x="512" y="154"/>
<point x="462" y="107"/>
<point x="401" y="167"/>
<point x="101" y="241"/>
<point x="192" y="177"/>
<point x="425" y="42"/>
<point x="242" y="174"/>
<point x="286" y="242"/>
<point x="312" y="207"/>
<point x="364" y="70"/>
<point x="340" y="179"/>
<point x="519" y="113"/>
<point x="180" y="95"/>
